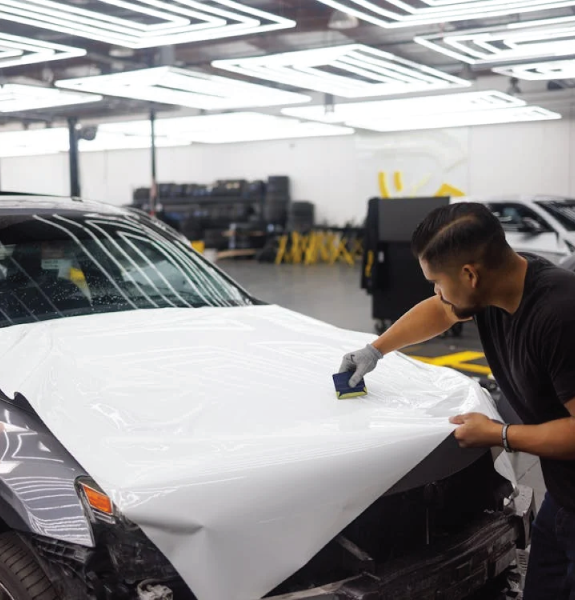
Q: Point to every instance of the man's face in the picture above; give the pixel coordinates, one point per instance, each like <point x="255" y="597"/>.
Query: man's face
<point x="457" y="287"/>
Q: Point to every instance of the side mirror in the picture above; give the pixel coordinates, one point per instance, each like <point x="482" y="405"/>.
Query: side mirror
<point x="531" y="226"/>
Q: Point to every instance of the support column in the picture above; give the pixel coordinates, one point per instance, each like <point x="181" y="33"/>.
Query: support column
<point x="74" y="158"/>
<point x="154" y="193"/>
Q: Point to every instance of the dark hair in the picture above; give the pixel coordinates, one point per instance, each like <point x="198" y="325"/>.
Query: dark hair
<point x="465" y="232"/>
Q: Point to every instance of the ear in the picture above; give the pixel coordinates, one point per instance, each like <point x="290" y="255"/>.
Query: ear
<point x="470" y="275"/>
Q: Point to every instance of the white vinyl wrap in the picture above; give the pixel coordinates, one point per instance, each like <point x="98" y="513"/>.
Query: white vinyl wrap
<point x="218" y="431"/>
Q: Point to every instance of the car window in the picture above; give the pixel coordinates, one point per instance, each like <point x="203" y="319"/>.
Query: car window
<point x="54" y="266"/>
<point x="511" y="216"/>
<point x="562" y="210"/>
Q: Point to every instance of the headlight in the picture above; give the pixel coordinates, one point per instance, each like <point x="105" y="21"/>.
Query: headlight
<point x="98" y="505"/>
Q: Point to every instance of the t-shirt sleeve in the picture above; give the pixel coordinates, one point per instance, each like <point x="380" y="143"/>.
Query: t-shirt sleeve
<point x="559" y="348"/>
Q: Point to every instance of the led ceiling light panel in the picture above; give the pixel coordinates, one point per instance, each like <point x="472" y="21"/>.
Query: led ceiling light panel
<point x="117" y="140"/>
<point x="181" y="131"/>
<point x="232" y="127"/>
<point x="434" y="112"/>
<point x="33" y="142"/>
<point x="399" y="13"/>
<point x="144" y="23"/>
<point x="16" y="51"/>
<point x="37" y="142"/>
<point x="352" y="71"/>
<point x="422" y="105"/>
<point x="518" y="41"/>
<point x="169" y="85"/>
<point x="557" y="69"/>
<point x="18" y="98"/>
<point x="465" y="119"/>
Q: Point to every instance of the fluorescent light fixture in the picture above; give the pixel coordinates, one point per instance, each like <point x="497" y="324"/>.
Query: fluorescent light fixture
<point x="519" y="41"/>
<point x="144" y="23"/>
<point x="116" y="140"/>
<point x="169" y="85"/>
<point x="422" y="105"/>
<point x="16" y="97"/>
<point x="470" y="119"/>
<point x="556" y="69"/>
<point x="444" y="111"/>
<point x="232" y="127"/>
<point x="180" y="131"/>
<point x="16" y="51"/>
<point x="38" y="142"/>
<point x="398" y="13"/>
<point x="33" y="142"/>
<point x="351" y="71"/>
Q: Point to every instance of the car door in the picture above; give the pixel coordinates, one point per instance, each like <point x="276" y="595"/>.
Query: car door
<point x="545" y="242"/>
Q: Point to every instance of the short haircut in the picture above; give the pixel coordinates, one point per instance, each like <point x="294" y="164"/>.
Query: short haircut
<point x="461" y="233"/>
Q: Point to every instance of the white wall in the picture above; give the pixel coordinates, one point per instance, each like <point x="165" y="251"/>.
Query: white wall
<point x="36" y="174"/>
<point x="523" y="158"/>
<point x="338" y="174"/>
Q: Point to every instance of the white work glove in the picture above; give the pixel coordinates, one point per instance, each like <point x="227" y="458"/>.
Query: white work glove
<point x="360" y="363"/>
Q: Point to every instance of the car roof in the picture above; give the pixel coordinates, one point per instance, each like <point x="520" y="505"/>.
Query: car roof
<point x="11" y="204"/>
<point x="526" y="198"/>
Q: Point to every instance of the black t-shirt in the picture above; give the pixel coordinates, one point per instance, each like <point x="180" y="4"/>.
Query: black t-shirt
<point x="532" y="356"/>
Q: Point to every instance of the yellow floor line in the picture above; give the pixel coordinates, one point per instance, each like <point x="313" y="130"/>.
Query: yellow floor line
<point x="461" y="360"/>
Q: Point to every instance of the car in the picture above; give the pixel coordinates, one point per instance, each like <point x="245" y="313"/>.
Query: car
<point x="543" y="225"/>
<point x="569" y="262"/>
<point x="166" y="435"/>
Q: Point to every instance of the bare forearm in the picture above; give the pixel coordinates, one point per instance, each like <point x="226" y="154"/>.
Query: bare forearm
<point x="426" y="320"/>
<point x="555" y="439"/>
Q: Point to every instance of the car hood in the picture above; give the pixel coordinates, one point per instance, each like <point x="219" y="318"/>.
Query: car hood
<point x="219" y="433"/>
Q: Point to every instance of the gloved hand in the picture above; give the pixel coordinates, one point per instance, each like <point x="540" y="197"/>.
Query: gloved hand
<point x="360" y="363"/>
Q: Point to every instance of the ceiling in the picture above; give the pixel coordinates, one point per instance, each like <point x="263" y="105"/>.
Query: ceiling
<point x="313" y="30"/>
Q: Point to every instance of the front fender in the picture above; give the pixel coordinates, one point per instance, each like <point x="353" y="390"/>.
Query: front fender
<point x="37" y="479"/>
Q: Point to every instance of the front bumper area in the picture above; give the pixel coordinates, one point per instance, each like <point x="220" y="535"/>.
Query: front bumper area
<point x="122" y="559"/>
<point x="450" y="569"/>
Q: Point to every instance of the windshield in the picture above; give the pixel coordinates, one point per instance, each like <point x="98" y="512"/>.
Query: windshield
<point x="54" y="266"/>
<point x="562" y="210"/>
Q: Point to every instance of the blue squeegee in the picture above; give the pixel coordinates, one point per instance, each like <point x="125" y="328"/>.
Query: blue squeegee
<point x="343" y="389"/>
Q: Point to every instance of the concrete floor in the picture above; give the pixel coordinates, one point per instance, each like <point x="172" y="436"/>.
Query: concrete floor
<point x="332" y="294"/>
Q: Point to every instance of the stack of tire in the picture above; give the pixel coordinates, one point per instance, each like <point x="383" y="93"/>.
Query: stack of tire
<point x="230" y="188"/>
<point x="277" y="200"/>
<point x="141" y="198"/>
<point x="301" y="217"/>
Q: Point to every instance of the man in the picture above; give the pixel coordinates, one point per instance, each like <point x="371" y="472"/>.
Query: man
<point x="524" y="308"/>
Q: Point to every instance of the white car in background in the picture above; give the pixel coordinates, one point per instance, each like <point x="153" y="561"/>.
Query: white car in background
<point x="543" y="225"/>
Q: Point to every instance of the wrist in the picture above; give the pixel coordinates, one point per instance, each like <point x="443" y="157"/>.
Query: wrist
<point x="497" y="435"/>
<point x="377" y="352"/>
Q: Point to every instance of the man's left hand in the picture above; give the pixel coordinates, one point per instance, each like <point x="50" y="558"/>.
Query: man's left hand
<point x="477" y="431"/>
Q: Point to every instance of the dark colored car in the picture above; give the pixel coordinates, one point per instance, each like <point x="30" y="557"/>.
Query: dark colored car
<point x="569" y="262"/>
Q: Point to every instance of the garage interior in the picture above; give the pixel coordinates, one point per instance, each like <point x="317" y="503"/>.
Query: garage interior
<point x="263" y="131"/>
